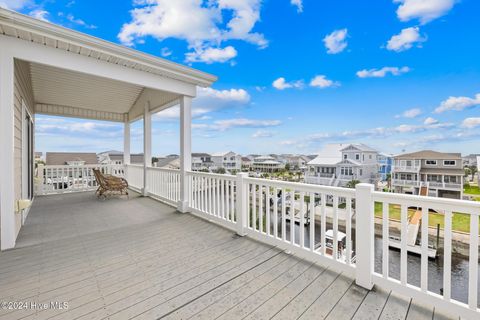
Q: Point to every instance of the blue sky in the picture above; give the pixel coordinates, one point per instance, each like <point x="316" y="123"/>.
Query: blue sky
<point x="293" y="75"/>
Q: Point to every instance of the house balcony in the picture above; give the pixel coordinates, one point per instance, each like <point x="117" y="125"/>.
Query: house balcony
<point x="138" y="257"/>
<point x="406" y="183"/>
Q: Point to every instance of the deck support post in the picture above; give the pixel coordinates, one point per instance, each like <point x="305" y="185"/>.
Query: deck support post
<point x="364" y="234"/>
<point x="7" y="170"/>
<point x="241" y="204"/>
<point x="185" y="151"/>
<point x="147" y="145"/>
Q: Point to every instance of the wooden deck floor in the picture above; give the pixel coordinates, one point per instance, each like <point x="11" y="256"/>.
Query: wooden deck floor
<point x="138" y="258"/>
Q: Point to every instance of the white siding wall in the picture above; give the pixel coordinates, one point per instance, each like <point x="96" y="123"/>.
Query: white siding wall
<point x="22" y="90"/>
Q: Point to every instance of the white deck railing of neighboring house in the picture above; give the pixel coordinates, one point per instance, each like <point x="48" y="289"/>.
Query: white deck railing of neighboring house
<point x="70" y="178"/>
<point x="263" y="209"/>
<point x="407" y="183"/>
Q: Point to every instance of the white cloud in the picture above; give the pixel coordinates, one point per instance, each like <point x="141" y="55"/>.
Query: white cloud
<point x="406" y="39"/>
<point x="70" y="17"/>
<point x="458" y="103"/>
<point x="208" y="100"/>
<point x="321" y="81"/>
<point x="471" y="123"/>
<point x="39" y="14"/>
<point x="336" y="42"/>
<point x="262" y="134"/>
<point x="380" y="73"/>
<point x="211" y="55"/>
<point x="200" y="23"/>
<point x="166" y="52"/>
<point x="282" y="84"/>
<point x="298" y="4"/>
<point x="223" y="125"/>
<point x="423" y="10"/>
<point x="410" y="113"/>
<point x="430" y="121"/>
<point x="14" y="4"/>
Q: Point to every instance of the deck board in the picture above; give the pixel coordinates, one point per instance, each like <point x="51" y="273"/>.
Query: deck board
<point x="140" y="259"/>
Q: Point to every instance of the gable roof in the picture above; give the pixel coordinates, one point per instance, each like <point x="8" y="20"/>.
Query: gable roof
<point x="360" y="147"/>
<point x="61" y="158"/>
<point x="429" y="154"/>
<point x="21" y="26"/>
<point x="330" y="155"/>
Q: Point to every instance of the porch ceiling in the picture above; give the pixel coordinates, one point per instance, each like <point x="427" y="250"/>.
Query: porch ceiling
<point x="58" y="87"/>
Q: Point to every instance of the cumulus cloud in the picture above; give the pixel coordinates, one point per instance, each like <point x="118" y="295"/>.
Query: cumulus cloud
<point x="282" y="84"/>
<point x="298" y="4"/>
<point x="423" y="10"/>
<point x="336" y="41"/>
<point x="430" y="121"/>
<point x="14" y="4"/>
<point x="380" y="73"/>
<point x="211" y="55"/>
<point x="166" y="52"/>
<point x="262" y="134"/>
<point x="410" y="113"/>
<point x="226" y="124"/>
<point x="39" y="14"/>
<point x="200" y="23"/>
<point x="406" y="39"/>
<point x="471" y="123"/>
<point x="458" y="103"/>
<point x="321" y="81"/>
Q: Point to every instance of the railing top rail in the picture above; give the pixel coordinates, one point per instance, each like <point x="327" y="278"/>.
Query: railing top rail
<point x="83" y="166"/>
<point x="456" y="205"/>
<point x="163" y="169"/>
<point x="212" y="175"/>
<point x="305" y="187"/>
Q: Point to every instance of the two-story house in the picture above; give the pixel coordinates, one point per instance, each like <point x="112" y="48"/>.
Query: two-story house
<point x="385" y="162"/>
<point x="428" y="172"/>
<point x="201" y="161"/>
<point x="227" y="160"/>
<point x="267" y="164"/>
<point x="338" y="164"/>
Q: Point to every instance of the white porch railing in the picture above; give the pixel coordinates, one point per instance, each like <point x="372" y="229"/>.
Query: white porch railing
<point x="66" y="178"/>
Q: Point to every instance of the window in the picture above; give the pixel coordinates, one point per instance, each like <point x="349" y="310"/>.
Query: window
<point x="370" y="157"/>
<point x="345" y="156"/>
<point x="361" y="172"/>
<point x="431" y="162"/>
<point x="357" y="157"/>
<point x="449" y="162"/>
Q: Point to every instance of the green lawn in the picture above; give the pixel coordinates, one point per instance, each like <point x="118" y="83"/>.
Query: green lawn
<point x="471" y="190"/>
<point x="460" y="221"/>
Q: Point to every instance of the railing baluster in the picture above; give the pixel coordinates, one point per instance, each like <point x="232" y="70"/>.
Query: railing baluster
<point x="424" y="256"/>
<point x="335" y="228"/>
<point x="473" y="263"/>
<point x="247" y="196"/>
<point x="284" y="219"/>
<point x="312" y="221"/>
<point x="348" y="230"/>
<point x="447" y="256"/>
<point x="232" y="200"/>
<point x="267" y="209"/>
<point x="302" y="220"/>
<point x="260" y="208"/>
<point x="403" y="245"/>
<point x="275" y="213"/>
<point x="323" y="222"/>
<point x="292" y="217"/>
<point x="254" y="207"/>
<point x="385" y="238"/>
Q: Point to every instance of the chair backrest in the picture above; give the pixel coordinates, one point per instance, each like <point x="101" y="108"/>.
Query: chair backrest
<point x="99" y="177"/>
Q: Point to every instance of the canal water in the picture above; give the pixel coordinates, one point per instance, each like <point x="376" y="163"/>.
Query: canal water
<point x="459" y="275"/>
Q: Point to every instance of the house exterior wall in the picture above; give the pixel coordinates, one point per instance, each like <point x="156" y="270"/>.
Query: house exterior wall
<point x="22" y="92"/>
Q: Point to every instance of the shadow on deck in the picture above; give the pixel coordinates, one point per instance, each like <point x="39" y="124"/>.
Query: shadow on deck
<point x="138" y="258"/>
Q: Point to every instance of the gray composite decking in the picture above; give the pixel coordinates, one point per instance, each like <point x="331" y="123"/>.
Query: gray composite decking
<point x="139" y="258"/>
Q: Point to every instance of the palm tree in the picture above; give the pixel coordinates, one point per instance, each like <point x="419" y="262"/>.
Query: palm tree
<point x="352" y="184"/>
<point x="473" y="170"/>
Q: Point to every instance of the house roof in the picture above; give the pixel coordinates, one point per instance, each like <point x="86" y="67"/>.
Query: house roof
<point x="330" y="155"/>
<point x="134" y="158"/>
<point x="27" y="28"/>
<point x="163" y="162"/>
<point x="61" y="158"/>
<point x="429" y="154"/>
<point x="200" y="154"/>
<point x="360" y="147"/>
<point x="222" y="154"/>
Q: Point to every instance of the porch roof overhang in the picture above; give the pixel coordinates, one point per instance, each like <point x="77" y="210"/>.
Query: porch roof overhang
<point x="77" y="75"/>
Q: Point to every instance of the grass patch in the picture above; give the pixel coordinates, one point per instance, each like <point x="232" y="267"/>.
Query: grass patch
<point x="460" y="221"/>
<point x="471" y="190"/>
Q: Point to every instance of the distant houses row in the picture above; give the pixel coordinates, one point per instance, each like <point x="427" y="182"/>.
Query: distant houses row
<point x="422" y="173"/>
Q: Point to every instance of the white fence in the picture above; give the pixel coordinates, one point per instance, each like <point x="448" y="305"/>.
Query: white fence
<point x="66" y="178"/>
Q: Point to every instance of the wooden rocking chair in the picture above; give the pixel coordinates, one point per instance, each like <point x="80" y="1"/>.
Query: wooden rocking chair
<point x="109" y="185"/>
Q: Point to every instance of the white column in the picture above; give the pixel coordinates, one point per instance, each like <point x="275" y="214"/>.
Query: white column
<point x="7" y="184"/>
<point x="185" y="150"/>
<point x="364" y="233"/>
<point x="126" y="142"/>
<point x="241" y="205"/>
<point x="147" y="144"/>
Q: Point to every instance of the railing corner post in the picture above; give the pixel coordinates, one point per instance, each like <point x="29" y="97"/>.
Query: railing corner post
<point x="241" y="205"/>
<point x="364" y="234"/>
